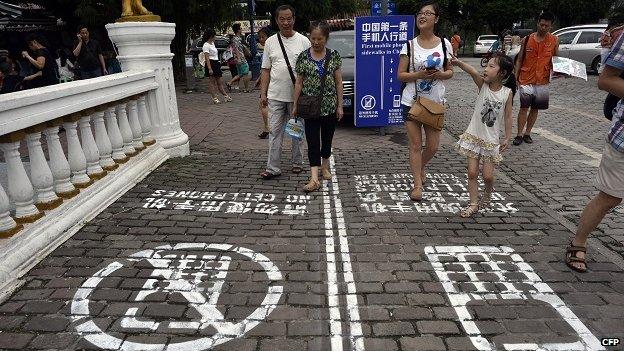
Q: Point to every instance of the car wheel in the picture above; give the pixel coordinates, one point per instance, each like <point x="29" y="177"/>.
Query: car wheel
<point x="595" y="66"/>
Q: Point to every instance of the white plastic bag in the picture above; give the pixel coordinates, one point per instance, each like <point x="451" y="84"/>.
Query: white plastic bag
<point x="295" y="128"/>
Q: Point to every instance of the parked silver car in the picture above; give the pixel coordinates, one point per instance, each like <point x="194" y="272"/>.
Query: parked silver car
<point x="344" y="43"/>
<point x="581" y="43"/>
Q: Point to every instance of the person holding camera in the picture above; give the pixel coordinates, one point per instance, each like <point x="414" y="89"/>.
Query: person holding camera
<point x="89" y="56"/>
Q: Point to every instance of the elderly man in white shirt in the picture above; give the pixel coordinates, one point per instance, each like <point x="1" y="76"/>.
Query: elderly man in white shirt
<point x="277" y="88"/>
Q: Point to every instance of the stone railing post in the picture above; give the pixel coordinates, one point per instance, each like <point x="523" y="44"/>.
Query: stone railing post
<point x="103" y="141"/>
<point x="146" y="124"/>
<point x="114" y="135"/>
<point x="8" y="226"/>
<point x="20" y="188"/>
<point x="92" y="154"/>
<point x="59" y="165"/>
<point x="40" y="173"/>
<point x="126" y="131"/>
<point x="77" y="159"/>
<point x="146" y="45"/>
<point x="135" y="125"/>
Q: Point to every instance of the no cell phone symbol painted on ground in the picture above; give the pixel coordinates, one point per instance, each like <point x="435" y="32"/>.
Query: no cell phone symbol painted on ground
<point x="196" y="272"/>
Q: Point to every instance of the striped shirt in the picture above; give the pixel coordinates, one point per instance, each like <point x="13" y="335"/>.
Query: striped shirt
<point x="616" y="134"/>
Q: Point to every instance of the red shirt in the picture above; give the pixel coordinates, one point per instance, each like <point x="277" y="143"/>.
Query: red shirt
<point x="537" y="63"/>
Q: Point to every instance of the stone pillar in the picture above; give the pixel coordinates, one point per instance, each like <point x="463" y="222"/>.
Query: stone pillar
<point x="146" y="46"/>
<point x="20" y="188"/>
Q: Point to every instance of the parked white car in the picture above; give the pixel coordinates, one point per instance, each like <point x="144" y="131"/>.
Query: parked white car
<point x="484" y="43"/>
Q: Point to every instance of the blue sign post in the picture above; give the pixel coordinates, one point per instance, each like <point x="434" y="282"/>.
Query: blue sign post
<point x="376" y="8"/>
<point x="378" y="43"/>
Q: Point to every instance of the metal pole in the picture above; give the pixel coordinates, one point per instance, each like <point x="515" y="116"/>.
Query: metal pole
<point x="384" y="12"/>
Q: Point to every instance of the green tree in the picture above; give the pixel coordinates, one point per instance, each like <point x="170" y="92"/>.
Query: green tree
<point x="314" y="10"/>
<point x="574" y="12"/>
<point x="499" y="15"/>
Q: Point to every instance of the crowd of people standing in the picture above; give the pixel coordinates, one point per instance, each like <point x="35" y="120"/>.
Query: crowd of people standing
<point x="39" y="65"/>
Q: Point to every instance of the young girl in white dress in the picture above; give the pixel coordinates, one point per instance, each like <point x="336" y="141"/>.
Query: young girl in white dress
<point x="481" y="142"/>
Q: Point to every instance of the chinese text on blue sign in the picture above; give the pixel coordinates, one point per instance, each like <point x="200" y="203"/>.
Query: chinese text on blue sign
<point x="378" y="42"/>
<point x="376" y="7"/>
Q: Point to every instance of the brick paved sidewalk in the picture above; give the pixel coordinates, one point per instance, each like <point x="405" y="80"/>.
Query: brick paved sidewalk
<point x="202" y="254"/>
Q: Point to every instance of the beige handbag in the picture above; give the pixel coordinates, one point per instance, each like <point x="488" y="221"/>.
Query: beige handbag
<point x="424" y="110"/>
<point x="427" y="112"/>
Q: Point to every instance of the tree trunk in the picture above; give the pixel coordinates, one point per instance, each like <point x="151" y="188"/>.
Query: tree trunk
<point x="178" y="47"/>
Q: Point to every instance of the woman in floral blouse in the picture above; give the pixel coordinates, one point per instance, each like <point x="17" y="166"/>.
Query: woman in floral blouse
<point x="320" y="131"/>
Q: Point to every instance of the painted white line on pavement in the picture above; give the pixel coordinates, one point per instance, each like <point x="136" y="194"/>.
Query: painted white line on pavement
<point x="569" y="143"/>
<point x="353" y="310"/>
<point x="590" y="115"/>
<point x="335" y="321"/>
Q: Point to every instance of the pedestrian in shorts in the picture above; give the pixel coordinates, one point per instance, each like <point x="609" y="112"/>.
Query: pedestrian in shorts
<point x="610" y="178"/>
<point x="533" y="72"/>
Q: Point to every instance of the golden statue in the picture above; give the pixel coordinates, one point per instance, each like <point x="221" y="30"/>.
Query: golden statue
<point x="134" y="11"/>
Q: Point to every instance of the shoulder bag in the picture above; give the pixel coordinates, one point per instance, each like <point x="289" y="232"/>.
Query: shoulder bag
<point x="290" y="70"/>
<point x="427" y="111"/>
<point x="309" y="107"/>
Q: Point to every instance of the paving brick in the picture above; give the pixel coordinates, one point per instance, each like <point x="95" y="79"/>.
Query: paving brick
<point x="49" y="307"/>
<point x="165" y="310"/>
<point x="306" y="328"/>
<point x="282" y="345"/>
<point x="412" y="313"/>
<point x="46" y="323"/>
<point x="53" y="341"/>
<point x="380" y="344"/>
<point x="15" y="341"/>
<point x="10" y="322"/>
<point x="423" y="343"/>
<point x="306" y="299"/>
<point x="437" y="327"/>
<point x="393" y="328"/>
<point x="460" y="343"/>
<point x="269" y="329"/>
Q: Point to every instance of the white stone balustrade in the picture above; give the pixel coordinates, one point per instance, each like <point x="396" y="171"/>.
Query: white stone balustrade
<point x="116" y="115"/>
<point x="117" y="136"/>
<point x="148" y="46"/>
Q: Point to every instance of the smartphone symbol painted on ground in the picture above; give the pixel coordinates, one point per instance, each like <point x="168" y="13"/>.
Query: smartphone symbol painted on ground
<point x="485" y="273"/>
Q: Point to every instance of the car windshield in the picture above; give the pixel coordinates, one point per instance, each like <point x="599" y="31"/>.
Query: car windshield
<point x="488" y="37"/>
<point x="343" y="43"/>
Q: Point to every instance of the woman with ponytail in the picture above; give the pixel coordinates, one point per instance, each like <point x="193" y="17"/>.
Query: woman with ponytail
<point x="480" y="142"/>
